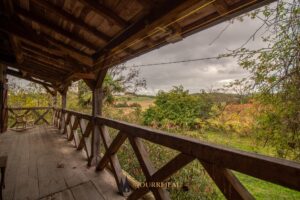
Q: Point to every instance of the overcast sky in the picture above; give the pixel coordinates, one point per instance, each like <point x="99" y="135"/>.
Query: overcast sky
<point x="202" y="74"/>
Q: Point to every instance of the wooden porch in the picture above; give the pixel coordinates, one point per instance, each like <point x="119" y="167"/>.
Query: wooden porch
<point x="61" y="161"/>
<point x="43" y="165"/>
<point x="54" y="43"/>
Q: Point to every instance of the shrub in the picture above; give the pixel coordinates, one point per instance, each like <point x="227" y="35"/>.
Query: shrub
<point x="177" y="108"/>
<point x="136" y="105"/>
<point x="122" y="105"/>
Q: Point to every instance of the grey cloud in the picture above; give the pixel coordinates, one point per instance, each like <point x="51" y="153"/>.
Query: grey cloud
<point x="203" y="74"/>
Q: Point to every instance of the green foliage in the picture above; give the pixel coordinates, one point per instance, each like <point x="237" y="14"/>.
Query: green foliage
<point x="278" y="124"/>
<point x="84" y="94"/>
<point x="117" y="80"/>
<point x="27" y="94"/>
<point x="275" y="77"/>
<point x="177" y="108"/>
<point x="112" y="86"/>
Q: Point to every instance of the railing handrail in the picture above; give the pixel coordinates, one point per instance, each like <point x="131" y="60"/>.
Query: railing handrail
<point x="30" y="108"/>
<point x="26" y="111"/>
<point x="275" y="170"/>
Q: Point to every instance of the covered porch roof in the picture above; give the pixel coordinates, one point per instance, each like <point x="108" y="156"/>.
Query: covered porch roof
<point x="55" y="42"/>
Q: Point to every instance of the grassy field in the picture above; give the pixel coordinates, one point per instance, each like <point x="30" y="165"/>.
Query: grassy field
<point x="144" y="101"/>
<point x="260" y="189"/>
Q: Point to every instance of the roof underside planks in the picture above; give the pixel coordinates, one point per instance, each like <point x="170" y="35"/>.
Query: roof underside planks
<point x="60" y="41"/>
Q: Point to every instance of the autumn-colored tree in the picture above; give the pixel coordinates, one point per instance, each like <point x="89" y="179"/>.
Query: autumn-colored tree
<point x="275" y="76"/>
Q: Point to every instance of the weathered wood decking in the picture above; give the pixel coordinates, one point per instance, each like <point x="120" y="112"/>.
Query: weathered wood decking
<point x="43" y="165"/>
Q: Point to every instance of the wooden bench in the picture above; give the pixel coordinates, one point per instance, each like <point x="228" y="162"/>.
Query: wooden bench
<point x="3" y="161"/>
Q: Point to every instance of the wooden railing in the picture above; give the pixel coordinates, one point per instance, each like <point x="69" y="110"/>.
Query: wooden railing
<point x="217" y="160"/>
<point x="32" y="115"/>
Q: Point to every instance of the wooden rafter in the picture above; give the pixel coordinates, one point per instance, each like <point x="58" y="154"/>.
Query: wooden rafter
<point x="54" y="27"/>
<point x="69" y="62"/>
<point x="47" y="63"/>
<point x="219" y="17"/>
<point x="104" y="11"/>
<point x="57" y="62"/>
<point x="221" y="6"/>
<point x="42" y="53"/>
<point x="139" y="25"/>
<point x="15" y="28"/>
<point x="52" y="92"/>
<point x="38" y="48"/>
<point x="36" y="70"/>
<point x="74" y="53"/>
<point x="147" y="4"/>
<point x="15" y="43"/>
<point x="74" y="20"/>
<point x="20" y="75"/>
<point x="88" y="76"/>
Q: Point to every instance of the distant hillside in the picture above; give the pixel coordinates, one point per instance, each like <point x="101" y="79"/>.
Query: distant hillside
<point x="219" y="97"/>
<point x="216" y="97"/>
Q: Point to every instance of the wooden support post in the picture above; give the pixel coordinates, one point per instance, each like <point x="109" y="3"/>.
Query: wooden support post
<point x="54" y="106"/>
<point x="63" y="106"/>
<point x="54" y="101"/>
<point x="96" y="111"/>
<point x="3" y="99"/>
<point x="96" y="87"/>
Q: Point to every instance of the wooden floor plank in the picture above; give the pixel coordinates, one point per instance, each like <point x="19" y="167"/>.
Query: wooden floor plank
<point x="64" y="195"/>
<point x="49" y="174"/>
<point x="42" y="164"/>
<point x="11" y="174"/>
<point x="86" y="191"/>
<point x="6" y="146"/>
<point x="107" y="188"/>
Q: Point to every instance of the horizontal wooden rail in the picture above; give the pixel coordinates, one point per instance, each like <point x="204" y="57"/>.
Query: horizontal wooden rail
<point x="21" y="114"/>
<point x="29" y="108"/>
<point x="217" y="160"/>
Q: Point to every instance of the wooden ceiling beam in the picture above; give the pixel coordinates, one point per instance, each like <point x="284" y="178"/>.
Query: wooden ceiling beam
<point x="62" y="63"/>
<point x="31" y="70"/>
<point x="12" y="27"/>
<point x="42" y="53"/>
<point x="76" y="76"/>
<point x="49" y="25"/>
<point x="104" y="11"/>
<point x="233" y="11"/>
<point x="154" y="15"/>
<point x="221" y="6"/>
<point x="35" y="47"/>
<point x="48" y="63"/>
<point x="20" y="75"/>
<point x="38" y="48"/>
<point x="74" y="53"/>
<point x="43" y="67"/>
<point x="43" y="70"/>
<point x="34" y="69"/>
<point x="147" y="4"/>
<point x="90" y="76"/>
<point x="71" y="63"/>
<point x="52" y="92"/>
<point x="15" y="43"/>
<point x="74" y="20"/>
